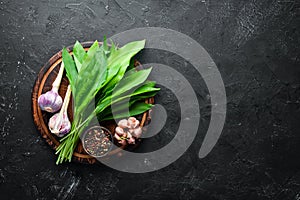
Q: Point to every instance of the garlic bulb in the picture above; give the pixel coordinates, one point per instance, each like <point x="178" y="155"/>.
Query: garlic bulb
<point x="51" y="101"/>
<point x="59" y="124"/>
<point x="128" y="131"/>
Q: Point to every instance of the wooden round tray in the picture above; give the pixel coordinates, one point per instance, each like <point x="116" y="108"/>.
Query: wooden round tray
<point x="43" y="84"/>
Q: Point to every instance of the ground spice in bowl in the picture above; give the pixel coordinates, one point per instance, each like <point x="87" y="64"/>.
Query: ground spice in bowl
<point x="97" y="141"/>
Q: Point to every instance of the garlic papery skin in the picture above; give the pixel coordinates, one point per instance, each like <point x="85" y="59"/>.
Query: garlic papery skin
<point x="51" y="101"/>
<point x="59" y="124"/>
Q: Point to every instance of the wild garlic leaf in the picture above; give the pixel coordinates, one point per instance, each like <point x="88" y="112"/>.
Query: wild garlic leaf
<point x="148" y="84"/>
<point x="90" y="55"/>
<point x="136" y="109"/>
<point x="126" y="103"/>
<point x="70" y="68"/>
<point x="131" y="66"/>
<point x="113" y="47"/>
<point x="143" y="92"/>
<point x="145" y="95"/>
<point x="129" y="49"/>
<point x="131" y="81"/>
<point x="79" y="55"/>
<point x="90" y="79"/>
<point x="101" y="107"/>
<point x="154" y="90"/>
<point x="147" y="89"/>
<point x="119" y="60"/>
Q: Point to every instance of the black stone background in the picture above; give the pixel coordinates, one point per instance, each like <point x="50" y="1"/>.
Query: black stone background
<point x="255" y="44"/>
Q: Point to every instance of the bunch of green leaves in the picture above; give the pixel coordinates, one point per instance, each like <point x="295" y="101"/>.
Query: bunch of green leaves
<point x="105" y="84"/>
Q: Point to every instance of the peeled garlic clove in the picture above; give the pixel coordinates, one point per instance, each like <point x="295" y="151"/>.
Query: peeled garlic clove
<point x="133" y="122"/>
<point x="50" y="101"/>
<point x="137" y="132"/>
<point x="123" y="123"/>
<point x="131" y="140"/>
<point x="120" y="131"/>
<point x="117" y="137"/>
<point x="136" y="124"/>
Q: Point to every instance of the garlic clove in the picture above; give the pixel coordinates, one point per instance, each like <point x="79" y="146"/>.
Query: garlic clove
<point x="137" y="132"/>
<point x="131" y="140"/>
<point x="52" y="121"/>
<point x="66" y="127"/>
<point x="50" y="101"/>
<point x="137" y="123"/>
<point x="129" y="135"/>
<point x="117" y="137"/>
<point x="133" y="122"/>
<point x="119" y="131"/>
<point x="123" y="123"/>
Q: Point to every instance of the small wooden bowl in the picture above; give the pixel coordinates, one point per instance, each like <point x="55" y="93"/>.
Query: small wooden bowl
<point x="43" y="84"/>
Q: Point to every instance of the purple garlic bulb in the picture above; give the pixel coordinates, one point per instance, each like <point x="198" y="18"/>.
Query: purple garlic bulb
<point x="51" y="101"/>
<point x="59" y="124"/>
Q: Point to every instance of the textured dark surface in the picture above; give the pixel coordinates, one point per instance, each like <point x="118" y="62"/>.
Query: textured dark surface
<point x="255" y="45"/>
